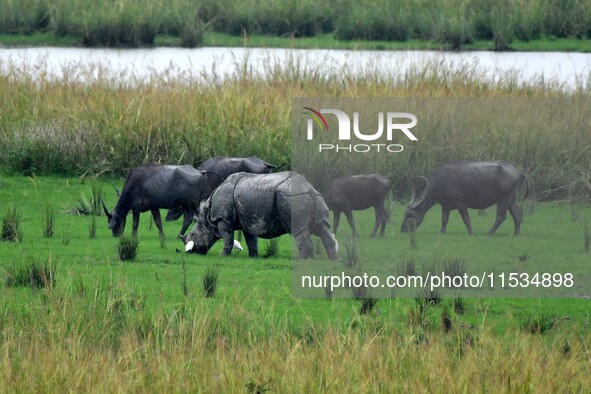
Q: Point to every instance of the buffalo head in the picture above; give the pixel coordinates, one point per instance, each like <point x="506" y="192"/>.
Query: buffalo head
<point x="116" y="222"/>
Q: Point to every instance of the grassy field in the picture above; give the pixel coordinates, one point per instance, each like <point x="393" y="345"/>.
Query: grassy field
<point x="451" y="24"/>
<point x="145" y="324"/>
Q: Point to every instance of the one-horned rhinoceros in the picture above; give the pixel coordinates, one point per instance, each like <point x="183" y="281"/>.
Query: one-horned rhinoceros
<point x="266" y="206"/>
<point x="155" y="186"/>
<point x="469" y="184"/>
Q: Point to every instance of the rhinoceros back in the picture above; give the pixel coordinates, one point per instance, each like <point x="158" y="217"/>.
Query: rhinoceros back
<point x="268" y="205"/>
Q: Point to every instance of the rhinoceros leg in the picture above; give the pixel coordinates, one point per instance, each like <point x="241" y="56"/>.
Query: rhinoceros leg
<point x="304" y="244"/>
<point x="158" y="221"/>
<point x="252" y="241"/>
<point x="328" y="239"/>
<point x="228" y="236"/>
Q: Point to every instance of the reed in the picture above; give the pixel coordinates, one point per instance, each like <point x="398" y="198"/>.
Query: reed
<point x="84" y="123"/>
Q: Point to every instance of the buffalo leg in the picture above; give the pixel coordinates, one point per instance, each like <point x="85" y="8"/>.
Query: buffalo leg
<point x="329" y="240"/>
<point x="336" y="220"/>
<point x="444" y="219"/>
<point x="384" y="221"/>
<point x="252" y="244"/>
<point x="378" y="222"/>
<point x="136" y="223"/>
<point x="187" y="218"/>
<point x="517" y="217"/>
<point x="466" y="218"/>
<point x="501" y="215"/>
<point x="349" y="215"/>
<point x="158" y="221"/>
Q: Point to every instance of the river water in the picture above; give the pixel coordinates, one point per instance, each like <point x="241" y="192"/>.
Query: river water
<point x="566" y="70"/>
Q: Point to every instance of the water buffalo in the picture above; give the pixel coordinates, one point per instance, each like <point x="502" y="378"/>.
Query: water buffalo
<point x="151" y="187"/>
<point x="356" y="193"/>
<point x="469" y="184"/>
<point x="217" y="169"/>
<point x="265" y="206"/>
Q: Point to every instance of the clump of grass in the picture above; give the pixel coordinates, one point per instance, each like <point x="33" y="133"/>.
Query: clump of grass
<point x="459" y="305"/>
<point x="11" y="225"/>
<point x="539" y="323"/>
<point x="210" y="281"/>
<point x="34" y="275"/>
<point x="127" y="247"/>
<point x="587" y="237"/>
<point x="351" y="254"/>
<point x="66" y="236"/>
<point x="454" y="267"/>
<point x="271" y="248"/>
<point x="367" y="305"/>
<point x="48" y="222"/>
<point x="88" y="204"/>
<point x="92" y="228"/>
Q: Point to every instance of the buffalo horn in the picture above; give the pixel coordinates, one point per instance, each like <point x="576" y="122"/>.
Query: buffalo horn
<point x="106" y="210"/>
<point x="116" y="191"/>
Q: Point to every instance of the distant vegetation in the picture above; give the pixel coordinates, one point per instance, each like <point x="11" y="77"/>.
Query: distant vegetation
<point x="94" y="123"/>
<point x="451" y="22"/>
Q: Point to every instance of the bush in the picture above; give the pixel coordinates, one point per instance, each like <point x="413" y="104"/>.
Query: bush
<point x="34" y="275"/>
<point x="127" y="248"/>
<point x="11" y="225"/>
<point x="210" y="281"/>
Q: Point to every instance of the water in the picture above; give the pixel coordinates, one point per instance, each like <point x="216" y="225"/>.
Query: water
<point x="565" y="69"/>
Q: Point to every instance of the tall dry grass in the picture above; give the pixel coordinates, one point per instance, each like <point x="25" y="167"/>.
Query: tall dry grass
<point x="103" y="339"/>
<point x="90" y="120"/>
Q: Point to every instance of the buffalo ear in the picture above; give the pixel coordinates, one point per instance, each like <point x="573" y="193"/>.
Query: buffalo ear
<point x="107" y="213"/>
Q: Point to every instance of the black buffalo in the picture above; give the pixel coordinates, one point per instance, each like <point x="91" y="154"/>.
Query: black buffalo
<point x="469" y="184"/>
<point x="217" y="169"/>
<point x="151" y="187"/>
<point x="356" y="193"/>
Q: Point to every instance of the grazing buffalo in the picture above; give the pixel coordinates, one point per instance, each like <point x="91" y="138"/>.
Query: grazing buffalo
<point x="151" y="187"/>
<point x="356" y="193"/>
<point x="469" y="184"/>
<point x="217" y="169"/>
<point x="265" y="206"/>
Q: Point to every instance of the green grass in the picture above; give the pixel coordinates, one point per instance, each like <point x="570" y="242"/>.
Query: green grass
<point x="106" y="315"/>
<point x="322" y="41"/>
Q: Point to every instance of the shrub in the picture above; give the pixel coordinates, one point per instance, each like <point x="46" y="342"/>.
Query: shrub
<point x="271" y="248"/>
<point x="11" y="225"/>
<point x="210" y="281"/>
<point x="34" y="275"/>
<point x="48" y="222"/>
<point x="127" y="247"/>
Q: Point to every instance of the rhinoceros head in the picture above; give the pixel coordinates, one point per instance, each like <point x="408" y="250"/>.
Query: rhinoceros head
<point x="204" y="233"/>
